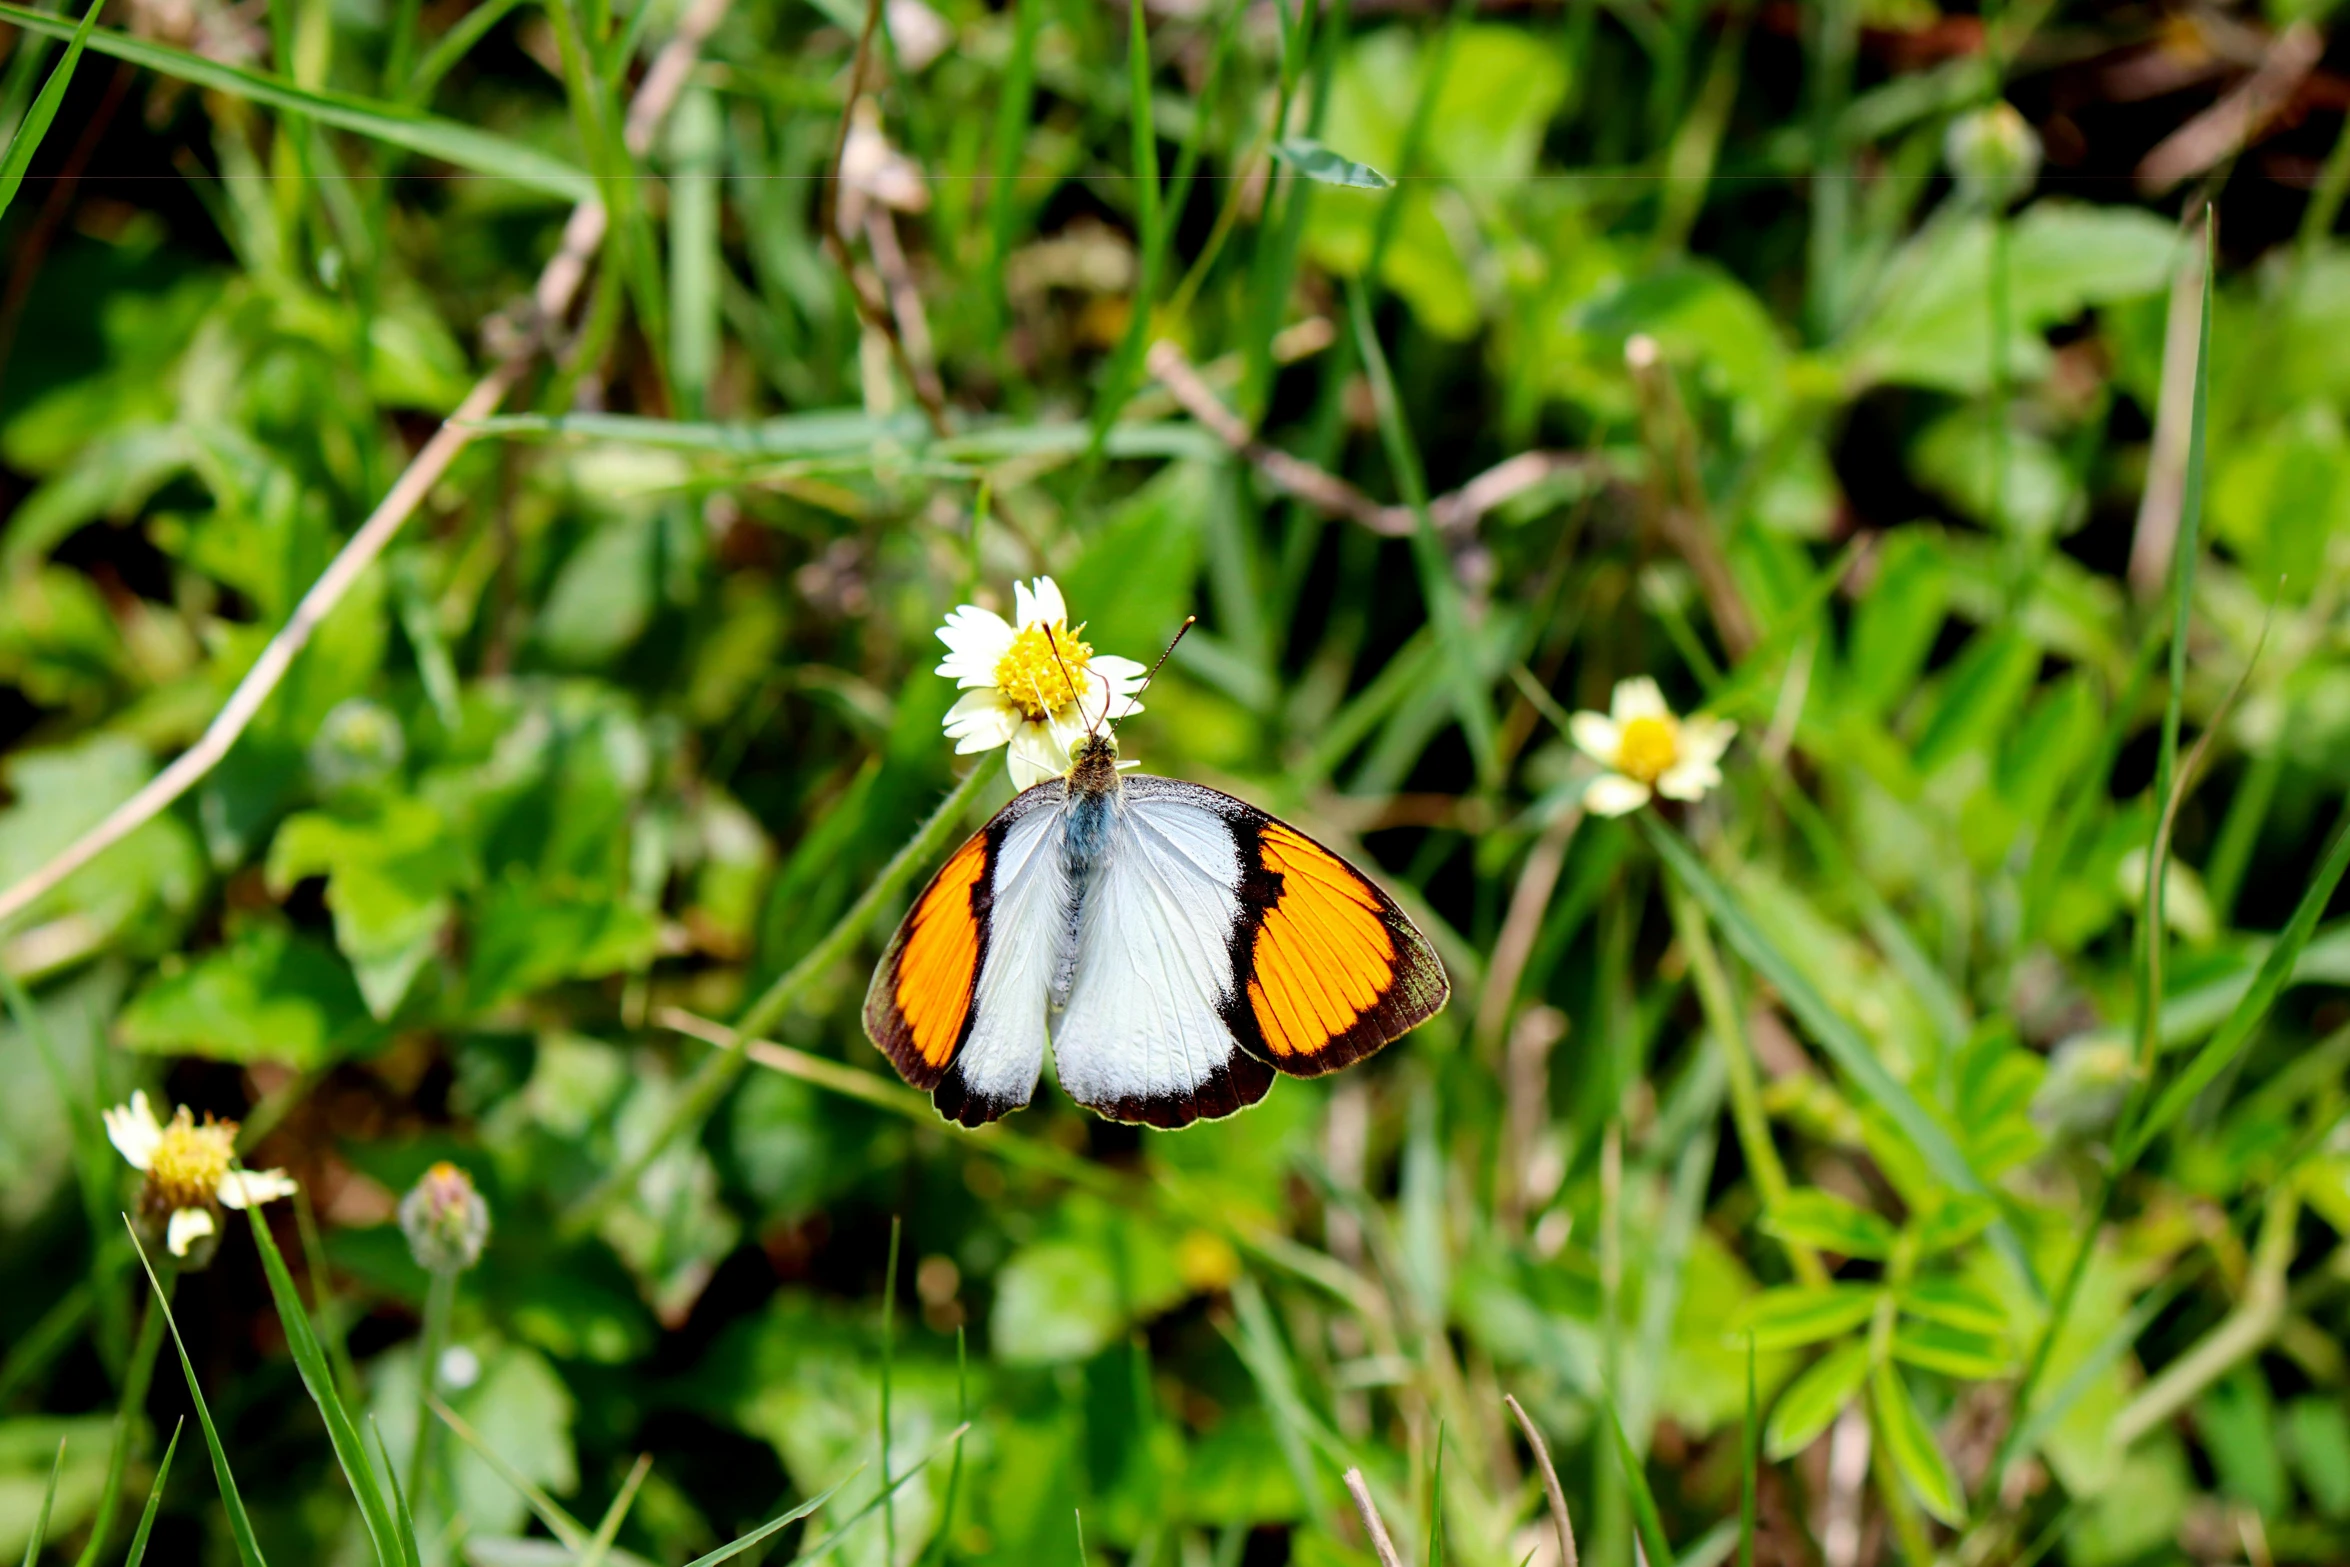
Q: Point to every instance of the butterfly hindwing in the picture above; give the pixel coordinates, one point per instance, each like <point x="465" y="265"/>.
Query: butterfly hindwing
<point x="1330" y="969"/>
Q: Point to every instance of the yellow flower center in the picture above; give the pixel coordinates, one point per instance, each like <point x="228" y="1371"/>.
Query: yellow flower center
<point x="1648" y="747"/>
<point x="189" y="1162"/>
<point x="1040" y="671"/>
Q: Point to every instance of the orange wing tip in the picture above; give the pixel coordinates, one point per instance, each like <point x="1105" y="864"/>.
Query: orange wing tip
<point x="921" y="997"/>
<point x="1336" y="970"/>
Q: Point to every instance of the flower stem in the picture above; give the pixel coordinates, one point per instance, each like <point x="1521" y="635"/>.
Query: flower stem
<point x="138" y="1374"/>
<point x="440" y="1303"/>
<point x="718" y="1070"/>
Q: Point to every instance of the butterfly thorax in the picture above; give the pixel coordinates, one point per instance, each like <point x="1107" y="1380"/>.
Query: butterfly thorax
<point x="1087" y="819"/>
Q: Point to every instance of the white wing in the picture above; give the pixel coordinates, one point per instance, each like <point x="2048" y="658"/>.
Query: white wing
<point x="1144" y="1037"/>
<point x="1028" y="928"/>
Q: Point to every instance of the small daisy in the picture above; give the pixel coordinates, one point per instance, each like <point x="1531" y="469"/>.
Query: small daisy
<point x="189" y="1172"/>
<point x="1031" y="684"/>
<point x="1647" y="750"/>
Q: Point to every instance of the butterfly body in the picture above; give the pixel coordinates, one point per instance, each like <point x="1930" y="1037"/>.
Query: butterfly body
<point x="1175" y="946"/>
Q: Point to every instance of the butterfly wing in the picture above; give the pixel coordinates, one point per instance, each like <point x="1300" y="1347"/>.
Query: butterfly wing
<point x="958" y="1001"/>
<point x="1330" y="970"/>
<point x="1145" y="1036"/>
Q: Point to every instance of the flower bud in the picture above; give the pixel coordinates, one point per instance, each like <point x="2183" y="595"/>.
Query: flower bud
<point x="1994" y="153"/>
<point x="359" y="745"/>
<point x="445" y="1219"/>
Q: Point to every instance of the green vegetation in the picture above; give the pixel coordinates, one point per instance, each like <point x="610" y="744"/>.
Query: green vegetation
<point x="486" y="480"/>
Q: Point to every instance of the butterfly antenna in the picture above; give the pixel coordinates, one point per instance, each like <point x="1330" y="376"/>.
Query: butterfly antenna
<point x="1075" y="694"/>
<point x="1189" y="621"/>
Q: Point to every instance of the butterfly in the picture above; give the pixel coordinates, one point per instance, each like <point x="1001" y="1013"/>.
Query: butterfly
<point x="1179" y="947"/>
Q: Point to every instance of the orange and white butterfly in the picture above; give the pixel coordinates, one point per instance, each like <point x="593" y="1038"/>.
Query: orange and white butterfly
<point x="1179" y="946"/>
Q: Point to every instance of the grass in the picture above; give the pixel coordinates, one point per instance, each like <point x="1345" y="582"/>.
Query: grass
<point x="2007" y="944"/>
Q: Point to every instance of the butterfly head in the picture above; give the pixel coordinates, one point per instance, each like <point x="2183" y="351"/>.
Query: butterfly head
<point x="1093" y="764"/>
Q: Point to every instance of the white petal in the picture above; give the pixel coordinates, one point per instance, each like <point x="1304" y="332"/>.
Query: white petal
<point x="1045" y="600"/>
<point x="133" y="1130"/>
<point x="1637" y="697"/>
<point x="188" y="1226"/>
<point x="1597" y="736"/>
<point x="981" y="721"/>
<point x="1612" y="794"/>
<point x="1124" y="674"/>
<point x="1705" y="739"/>
<point x="1023" y="606"/>
<point x="1689" y="780"/>
<point x="1036" y="756"/>
<point x="977" y="640"/>
<point x="251" y="1188"/>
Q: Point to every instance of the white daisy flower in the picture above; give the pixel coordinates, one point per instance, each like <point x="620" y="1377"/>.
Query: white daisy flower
<point x="1647" y="751"/>
<point x="1030" y="684"/>
<point x="190" y="1172"/>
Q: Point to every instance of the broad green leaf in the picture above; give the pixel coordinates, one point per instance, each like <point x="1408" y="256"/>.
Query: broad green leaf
<point x="1952" y="1222"/>
<point x="1813" y="1400"/>
<point x="267" y="995"/>
<point x="1826" y="1222"/>
<point x="392" y="866"/>
<point x="2316" y="1431"/>
<point x="35" y="125"/>
<point x="477" y="151"/>
<point x="1910" y="1441"/>
<point x="1319" y="164"/>
<point x="527" y="936"/>
<point x="1796" y="1314"/>
<point x="1956" y="1352"/>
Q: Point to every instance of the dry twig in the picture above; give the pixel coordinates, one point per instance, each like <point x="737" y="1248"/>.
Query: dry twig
<point x="1361" y="1491"/>
<point x="558" y="285"/>
<point x="2243" y="116"/>
<point x="1550" y="1482"/>
<point x="1454" y="513"/>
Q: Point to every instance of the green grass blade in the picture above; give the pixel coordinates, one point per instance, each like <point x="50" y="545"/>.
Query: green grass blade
<point x="560" y="1524"/>
<point x="453" y="46"/>
<point x="32" y="1547"/>
<point x="1436" y="1503"/>
<point x="1749" y="1461"/>
<point x="2185" y="549"/>
<point x="1645" y="1516"/>
<point x="833" y="1541"/>
<point x="319" y="1378"/>
<point x="1437" y="586"/>
<point x="1837" y="1036"/>
<point x="240" y="1525"/>
<point x="734" y="1548"/>
<point x="403" y="1519"/>
<point x="35" y="125"/>
<point x="696" y="146"/>
<point x="1011" y="140"/>
<point x="889" y="1302"/>
<point x="476" y="151"/>
<point x="2276" y="971"/>
<point x="1154" y="232"/>
<point x="609" y="1529"/>
<point x="154" y="1498"/>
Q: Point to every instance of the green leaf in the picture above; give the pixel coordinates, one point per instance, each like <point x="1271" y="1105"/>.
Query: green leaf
<point x="392" y="868"/>
<point x="319" y="1379"/>
<point x="1795" y="1314"/>
<point x="1951" y="1223"/>
<point x="1956" y="1352"/>
<point x="527" y="936"/>
<point x="240" y="1526"/>
<point x="476" y="151"/>
<point x="35" y="125"/>
<point x="268" y="995"/>
<point x="1910" y="1442"/>
<point x="1955" y="1302"/>
<point x="1826" y="1222"/>
<point x="1319" y="164"/>
<point x="1811" y="1403"/>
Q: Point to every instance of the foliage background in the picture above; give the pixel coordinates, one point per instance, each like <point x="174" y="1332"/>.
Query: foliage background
<point x="639" y="704"/>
